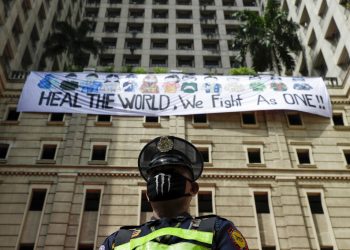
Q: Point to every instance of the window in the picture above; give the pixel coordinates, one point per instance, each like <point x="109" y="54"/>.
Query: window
<point x="111" y="27"/>
<point x="207" y="15"/>
<point x="107" y="60"/>
<point x="26" y="246"/>
<point x="346" y="153"/>
<point x="152" y="119"/>
<point x="12" y="114"/>
<point x="206" y="2"/>
<point x="132" y="60"/>
<point x="211" y="45"/>
<point x="56" y="117"/>
<point x="184" y="44"/>
<point x="229" y="2"/>
<point x="161" y="2"/>
<point x="86" y="247"/>
<point x="268" y="248"/>
<point x="210" y="62"/>
<point x="315" y="203"/>
<point x="109" y="43"/>
<point x="104" y="118"/>
<point x="113" y="13"/>
<point x="205" y="203"/>
<point x="158" y="61"/>
<point x="183" y="14"/>
<point x="249" y="3"/>
<point x="4" y="150"/>
<point x="48" y="151"/>
<point x="92" y="200"/>
<point x="133" y="43"/>
<point x="136" y="13"/>
<point x="254" y="155"/>
<point x="159" y="28"/>
<point x="303" y="155"/>
<point x="99" y="152"/>
<point x="232" y="29"/>
<point x="205" y="154"/>
<point x="200" y="118"/>
<point x="294" y="120"/>
<point x="183" y="2"/>
<point x="229" y="15"/>
<point x="37" y="200"/>
<point x="159" y="43"/>
<point x="134" y="28"/>
<point x="185" y="61"/>
<point x="184" y="28"/>
<point x="160" y="13"/>
<point x="248" y="119"/>
<point x="261" y="203"/>
<point x="338" y="118"/>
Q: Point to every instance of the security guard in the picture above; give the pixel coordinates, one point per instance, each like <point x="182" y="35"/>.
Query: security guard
<point x="170" y="166"/>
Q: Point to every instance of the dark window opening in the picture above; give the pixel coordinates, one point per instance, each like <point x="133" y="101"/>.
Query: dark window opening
<point x="205" y="202"/>
<point x="254" y="155"/>
<point x="12" y="115"/>
<point x="200" y="118"/>
<point x="99" y="153"/>
<point x="48" y="152"/>
<point x="92" y="200"/>
<point x="248" y="118"/>
<point x="262" y="203"/>
<point x="294" y="119"/>
<point x="37" y="200"/>
<point x="26" y="246"/>
<point x="347" y="156"/>
<point x="315" y="203"/>
<point x="303" y="156"/>
<point x="205" y="154"/>
<point x="4" y="147"/>
<point x="338" y="119"/>
<point x="56" y="117"/>
<point x="104" y="118"/>
<point x="86" y="247"/>
<point x="154" y="119"/>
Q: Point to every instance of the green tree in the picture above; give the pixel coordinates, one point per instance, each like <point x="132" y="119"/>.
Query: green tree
<point x="270" y="38"/>
<point x="73" y="41"/>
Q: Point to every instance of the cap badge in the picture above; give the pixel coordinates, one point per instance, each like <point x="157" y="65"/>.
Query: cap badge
<point x="165" y="144"/>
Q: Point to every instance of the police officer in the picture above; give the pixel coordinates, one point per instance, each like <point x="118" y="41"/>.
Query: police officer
<point x="171" y="166"/>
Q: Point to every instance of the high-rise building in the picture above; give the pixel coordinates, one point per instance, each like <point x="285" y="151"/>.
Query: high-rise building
<point x="69" y="180"/>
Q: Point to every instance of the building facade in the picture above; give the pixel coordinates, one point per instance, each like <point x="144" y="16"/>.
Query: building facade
<point x="67" y="181"/>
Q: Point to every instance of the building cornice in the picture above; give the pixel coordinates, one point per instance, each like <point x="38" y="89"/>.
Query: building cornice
<point x="212" y="173"/>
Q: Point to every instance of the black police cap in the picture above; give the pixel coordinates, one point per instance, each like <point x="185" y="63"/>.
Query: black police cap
<point x="170" y="151"/>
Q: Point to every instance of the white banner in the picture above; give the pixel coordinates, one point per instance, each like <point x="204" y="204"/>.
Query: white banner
<point x="170" y="94"/>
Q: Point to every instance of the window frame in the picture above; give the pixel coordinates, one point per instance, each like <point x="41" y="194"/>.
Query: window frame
<point x="8" y="150"/>
<point x="343" y="114"/>
<point x="304" y="147"/>
<point x="8" y="108"/>
<point x="209" y="149"/>
<point x="93" y="144"/>
<point x="344" y="149"/>
<point x="42" y="145"/>
<point x="254" y="146"/>
<point x="246" y="125"/>
<point x="292" y="126"/>
<point x="205" y="190"/>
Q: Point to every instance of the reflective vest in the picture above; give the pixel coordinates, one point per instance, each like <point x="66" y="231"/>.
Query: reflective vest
<point x="146" y="243"/>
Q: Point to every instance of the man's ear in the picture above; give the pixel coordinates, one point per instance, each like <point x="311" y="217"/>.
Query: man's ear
<point x="194" y="188"/>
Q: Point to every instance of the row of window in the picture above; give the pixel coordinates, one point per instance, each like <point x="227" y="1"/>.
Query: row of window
<point x="204" y="203"/>
<point x="248" y="119"/>
<point x="160" y="14"/>
<point x="209" y="30"/>
<point x="247" y="3"/>
<point x="254" y="153"/>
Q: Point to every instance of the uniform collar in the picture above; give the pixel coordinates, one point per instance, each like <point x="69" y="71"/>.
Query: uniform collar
<point x="180" y="217"/>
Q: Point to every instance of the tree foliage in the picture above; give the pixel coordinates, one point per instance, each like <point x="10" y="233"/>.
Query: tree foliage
<point x="269" y="38"/>
<point x="73" y="41"/>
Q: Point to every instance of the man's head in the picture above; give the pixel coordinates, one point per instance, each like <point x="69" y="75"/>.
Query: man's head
<point x="170" y="166"/>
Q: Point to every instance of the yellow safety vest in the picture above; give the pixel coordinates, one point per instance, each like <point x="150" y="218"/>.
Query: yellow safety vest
<point x="146" y="243"/>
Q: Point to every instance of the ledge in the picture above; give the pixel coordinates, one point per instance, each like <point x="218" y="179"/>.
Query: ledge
<point x="253" y="142"/>
<point x="300" y="143"/>
<point x="45" y="162"/>
<point x="3" y="161"/>
<point x="103" y="124"/>
<point x="250" y="125"/>
<point x="202" y="142"/>
<point x="259" y="165"/>
<point x="97" y="162"/>
<point x="59" y="124"/>
<point x="151" y="125"/>
<point x="307" y="166"/>
<point x="9" y="123"/>
<point x="208" y="164"/>
<point x="100" y="140"/>
<point x="197" y="125"/>
<point x="342" y="128"/>
<point x="51" y="139"/>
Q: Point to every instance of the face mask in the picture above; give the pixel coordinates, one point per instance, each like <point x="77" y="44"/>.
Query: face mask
<point x="166" y="186"/>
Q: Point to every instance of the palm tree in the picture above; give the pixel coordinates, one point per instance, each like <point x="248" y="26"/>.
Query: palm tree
<point x="269" y="38"/>
<point x="73" y="41"/>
